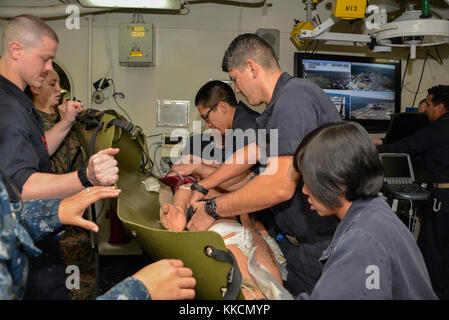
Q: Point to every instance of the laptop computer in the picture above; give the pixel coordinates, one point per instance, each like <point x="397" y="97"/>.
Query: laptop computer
<point x="405" y="124"/>
<point x="399" y="178"/>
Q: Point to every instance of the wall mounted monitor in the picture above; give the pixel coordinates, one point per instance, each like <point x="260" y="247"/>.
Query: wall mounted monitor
<point x="365" y="90"/>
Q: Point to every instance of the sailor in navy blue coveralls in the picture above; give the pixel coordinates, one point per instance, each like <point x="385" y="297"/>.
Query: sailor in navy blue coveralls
<point x="24" y="152"/>
<point x="297" y="107"/>
<point x="433" y="241"/>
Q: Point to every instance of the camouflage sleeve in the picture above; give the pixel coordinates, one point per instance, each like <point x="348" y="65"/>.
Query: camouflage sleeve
<point x="6" y="282"/>
<point x="40" y="217"/>
<point x="128" y="289"/>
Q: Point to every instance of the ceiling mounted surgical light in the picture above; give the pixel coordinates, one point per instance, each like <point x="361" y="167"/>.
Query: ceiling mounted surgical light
<point x="412" y="29"/>
<point x="142" y="4"/>
<point x="409" y="30"/>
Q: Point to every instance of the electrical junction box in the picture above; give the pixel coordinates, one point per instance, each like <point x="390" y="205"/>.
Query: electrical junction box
<point x="172" y="147"/>
<point x="349" y="9"/>
<point x="136" y="44"/>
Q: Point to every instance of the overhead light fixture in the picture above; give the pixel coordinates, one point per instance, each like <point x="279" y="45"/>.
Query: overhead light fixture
<point x="409" y="30"/>
<point x="412" y="29"/>
<point x="141" y="4"/>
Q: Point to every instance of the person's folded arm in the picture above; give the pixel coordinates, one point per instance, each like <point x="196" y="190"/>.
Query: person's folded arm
<point x="54" y="136"/>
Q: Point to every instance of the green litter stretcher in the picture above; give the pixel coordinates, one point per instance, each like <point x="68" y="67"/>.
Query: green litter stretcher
<point x="138" y="209"/>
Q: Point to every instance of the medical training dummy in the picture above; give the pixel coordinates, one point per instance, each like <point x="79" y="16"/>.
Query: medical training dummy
<point x="243" y="239"/>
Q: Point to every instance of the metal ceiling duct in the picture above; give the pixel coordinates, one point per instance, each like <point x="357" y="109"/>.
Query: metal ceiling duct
<point x="7" y="12"/>
<point x="92" y="6"/>
<point x="154" y="4"/>
<point x="141" y="4"/>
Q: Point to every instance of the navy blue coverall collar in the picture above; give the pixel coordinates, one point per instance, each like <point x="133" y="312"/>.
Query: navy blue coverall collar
<point x="262" y="120"/>
<point x="23" y="99"/>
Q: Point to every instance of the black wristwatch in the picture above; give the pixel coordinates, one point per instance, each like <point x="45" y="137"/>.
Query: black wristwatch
<point x="211" y="208"/>
<point x="83" y="178"/>
<point x="197" y="187"/>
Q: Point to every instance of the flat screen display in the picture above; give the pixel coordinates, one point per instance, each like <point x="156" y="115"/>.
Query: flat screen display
<point x="365" y="90"/>
<point x="396" y="166"/>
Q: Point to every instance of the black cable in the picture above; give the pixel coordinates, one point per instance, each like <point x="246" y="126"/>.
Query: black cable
<point x="405" y="72"/>
<point x="316" y="46"/>
<point x="115" y="99"/>
<point x="67" y="151"/>
<point x="419" y="83"/>
<point x="94" y="219"/>
<point x="129" y="118"/>
<point x="153" y="135"/>
<point x="438" y="53"/>
<point x="310" y="44"/>
<point x="437" y="60"/>
<point x="102" y="207"/>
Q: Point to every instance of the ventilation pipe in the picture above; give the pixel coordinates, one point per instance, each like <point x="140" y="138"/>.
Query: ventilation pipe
<point x="227" y="2"/>
<point x="7" y="12"/>
<point x="89" y="59"/>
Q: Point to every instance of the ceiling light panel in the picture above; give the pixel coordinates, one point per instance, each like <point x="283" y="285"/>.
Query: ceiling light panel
<point x="142" y="4"/>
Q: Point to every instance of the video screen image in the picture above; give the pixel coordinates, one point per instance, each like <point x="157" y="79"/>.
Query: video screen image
<point x="358" y="90"/>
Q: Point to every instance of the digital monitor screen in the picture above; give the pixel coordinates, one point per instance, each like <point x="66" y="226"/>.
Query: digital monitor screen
<point x="362" y="89"/>
<point x="396" y="166"/>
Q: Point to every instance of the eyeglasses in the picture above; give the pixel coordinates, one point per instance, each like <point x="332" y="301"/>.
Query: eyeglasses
<point x="206" y="115"/>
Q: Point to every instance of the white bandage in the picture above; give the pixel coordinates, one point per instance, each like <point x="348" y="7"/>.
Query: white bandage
<point x="186" y="186"/>
<point x="152" y="184"/>
<point x="242" y="237"/>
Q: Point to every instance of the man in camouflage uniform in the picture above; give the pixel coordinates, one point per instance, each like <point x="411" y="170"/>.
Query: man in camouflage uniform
<point x="22" y="224"/>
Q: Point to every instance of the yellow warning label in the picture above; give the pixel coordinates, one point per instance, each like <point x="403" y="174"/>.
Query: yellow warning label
<point x="349" y="9"/>
<point x="138" y="28"/>
<point x="136" y="54"/>
<point x="137" y="34"/>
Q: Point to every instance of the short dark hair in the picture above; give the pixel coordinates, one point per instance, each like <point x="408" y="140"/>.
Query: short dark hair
<point x="440" y="95"/>
<point x="339" y="159"/>
<point x="249" y="46"/>
<point x="27" y="29"/>
<point x="213" y="92"/>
